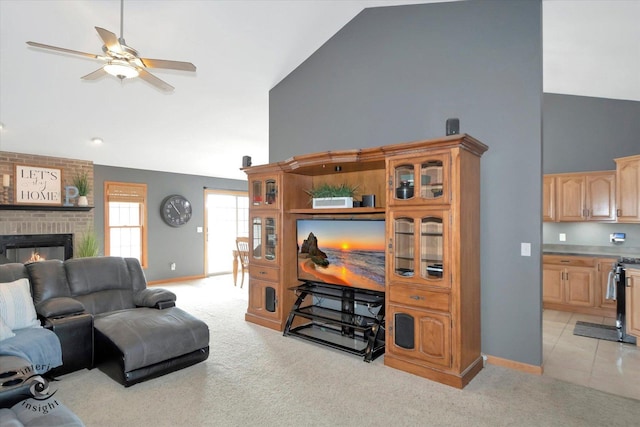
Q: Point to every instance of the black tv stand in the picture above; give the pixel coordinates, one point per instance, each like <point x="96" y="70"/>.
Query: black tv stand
<point x="346" y="329"/>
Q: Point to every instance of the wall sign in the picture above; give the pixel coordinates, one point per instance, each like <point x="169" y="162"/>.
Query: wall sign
<point x="36" y="185"/>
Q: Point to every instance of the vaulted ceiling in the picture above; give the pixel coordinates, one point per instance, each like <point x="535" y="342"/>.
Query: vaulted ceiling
<point x="241" y="49"/>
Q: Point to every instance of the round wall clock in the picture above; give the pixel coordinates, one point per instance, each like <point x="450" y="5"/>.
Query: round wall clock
<point x="175" y="210"/>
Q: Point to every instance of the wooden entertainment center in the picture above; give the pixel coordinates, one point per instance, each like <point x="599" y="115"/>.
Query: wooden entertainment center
<point x="428" y="192"/>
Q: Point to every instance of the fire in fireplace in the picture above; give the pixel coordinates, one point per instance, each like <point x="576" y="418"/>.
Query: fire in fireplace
<point x="26" y="248"/>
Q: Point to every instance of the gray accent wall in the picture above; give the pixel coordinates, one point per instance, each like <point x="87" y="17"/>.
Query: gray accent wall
<point x="396" y="74"/>
<point x="585" y="134"/>
<point x="182" y="245"/>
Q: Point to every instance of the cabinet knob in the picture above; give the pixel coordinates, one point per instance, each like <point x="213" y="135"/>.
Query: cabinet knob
<point x="628" y="282"/>
<point x="416" y="297"/>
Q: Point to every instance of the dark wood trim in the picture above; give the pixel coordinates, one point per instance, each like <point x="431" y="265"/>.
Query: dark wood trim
<point x="45" y="208"/>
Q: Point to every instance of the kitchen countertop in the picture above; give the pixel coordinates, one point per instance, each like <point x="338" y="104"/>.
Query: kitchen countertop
<point x="599" y="251"/>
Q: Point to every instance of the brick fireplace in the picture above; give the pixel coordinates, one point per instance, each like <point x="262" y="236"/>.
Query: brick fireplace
<point x="42" y="220"/>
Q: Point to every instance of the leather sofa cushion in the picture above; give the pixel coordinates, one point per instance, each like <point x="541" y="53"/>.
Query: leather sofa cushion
<point x="48" y="280"/>
<point x="146" y="336"/>
<point x="102" y="284"/>
<point x="12" y="272"/>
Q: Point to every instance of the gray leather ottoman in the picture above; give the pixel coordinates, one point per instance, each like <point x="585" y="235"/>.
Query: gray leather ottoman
<point x="135" y="343"/>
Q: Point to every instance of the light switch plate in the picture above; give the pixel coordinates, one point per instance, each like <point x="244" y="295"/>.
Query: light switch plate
<point x="562" y="237"/>
<point x="525" y="249"/>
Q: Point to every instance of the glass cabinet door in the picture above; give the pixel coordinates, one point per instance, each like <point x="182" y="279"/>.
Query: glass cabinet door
<point x="431" y="248"/>
<point x="271" y="192"/>
<point x="420" y="246"/>
<point x="422" y="180"/>
<point x="256" y="192"/>
<point x="264" y="235"/>
<point x="264" y="192"/>
<point x="256" y="234"/>
<point x="431" y="179"/>
<point x="271" y="237"/>
<point x="404" y="248"/>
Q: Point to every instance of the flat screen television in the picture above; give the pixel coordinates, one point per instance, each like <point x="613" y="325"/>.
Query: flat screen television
<point x="343" y="252"/>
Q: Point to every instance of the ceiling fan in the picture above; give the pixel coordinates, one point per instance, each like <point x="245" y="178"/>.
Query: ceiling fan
<point x="123" y="61"/>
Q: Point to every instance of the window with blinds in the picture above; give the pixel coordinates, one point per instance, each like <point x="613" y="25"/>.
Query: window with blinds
<point x="126" y="220"/>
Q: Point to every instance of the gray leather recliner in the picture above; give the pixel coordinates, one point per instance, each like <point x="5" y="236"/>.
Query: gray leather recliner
<point x="138" y="332"/>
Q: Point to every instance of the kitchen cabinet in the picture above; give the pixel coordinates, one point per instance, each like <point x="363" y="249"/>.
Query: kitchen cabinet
<point x="576" y="284"/>
<point x="628" y="188"/>
<point x="588" y="196"/>
<point x="633" y="301"/>
<point x="549" y="198"/>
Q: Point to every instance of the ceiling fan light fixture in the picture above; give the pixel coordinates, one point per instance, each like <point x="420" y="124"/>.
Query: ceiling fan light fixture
<point x="121" y="69"/>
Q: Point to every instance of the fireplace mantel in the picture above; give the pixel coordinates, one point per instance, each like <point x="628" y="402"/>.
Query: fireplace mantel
<point x="45" y="208"/>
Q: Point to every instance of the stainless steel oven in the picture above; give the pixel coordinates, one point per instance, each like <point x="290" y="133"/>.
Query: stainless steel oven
<point x="617" y="290"/>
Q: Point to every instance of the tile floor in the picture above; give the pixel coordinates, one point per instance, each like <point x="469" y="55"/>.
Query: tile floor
<point x="604" y="365"/>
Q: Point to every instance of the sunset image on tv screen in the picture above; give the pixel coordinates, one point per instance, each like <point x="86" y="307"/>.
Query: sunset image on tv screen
<point x="342" y="252"/>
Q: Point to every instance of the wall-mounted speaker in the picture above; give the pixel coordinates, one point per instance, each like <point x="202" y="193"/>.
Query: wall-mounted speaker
<point x="246" y="161"/>
<point x="453" y="126"/>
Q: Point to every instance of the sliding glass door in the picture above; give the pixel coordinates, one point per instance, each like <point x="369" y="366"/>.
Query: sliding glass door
<point x="227" y="217"/>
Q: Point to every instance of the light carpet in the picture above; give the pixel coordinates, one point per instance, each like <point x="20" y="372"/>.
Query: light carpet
<point x="255" y="376"/>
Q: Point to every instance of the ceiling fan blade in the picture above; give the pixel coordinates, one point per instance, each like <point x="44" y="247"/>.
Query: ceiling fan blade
<point x="171" y="65"/>
<point x="150" y="78"/>
<point x="110" y="40"/>
<point x="62" y="49"/>
<point x="95" y="75"/>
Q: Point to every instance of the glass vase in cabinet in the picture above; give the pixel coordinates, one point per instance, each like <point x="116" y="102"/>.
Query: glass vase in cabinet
<point x="420" y="247"/>
<point x="419" y="181"/>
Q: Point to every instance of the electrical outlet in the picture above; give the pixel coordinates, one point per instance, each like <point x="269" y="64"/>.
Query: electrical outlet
<point x="525" y="249"/>
<point x="173" y="266"/>
<point x="562" y="237"/>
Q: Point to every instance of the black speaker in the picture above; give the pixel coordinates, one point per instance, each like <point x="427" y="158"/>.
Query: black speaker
<point x="246" y="161"/>
<point x="453" y="126"/>
<point x="403" y="334"/>
<point x="369" y="200"/>
<point x="270" y="299"/>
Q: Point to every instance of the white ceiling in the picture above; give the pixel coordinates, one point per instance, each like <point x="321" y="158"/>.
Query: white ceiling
<point x="241" y="49"/>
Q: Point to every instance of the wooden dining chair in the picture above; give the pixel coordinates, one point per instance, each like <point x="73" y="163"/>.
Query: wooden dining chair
<point x="242" y="245"/>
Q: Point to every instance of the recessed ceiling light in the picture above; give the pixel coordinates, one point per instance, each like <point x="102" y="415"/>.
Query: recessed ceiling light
<point x="97" y="141"/>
